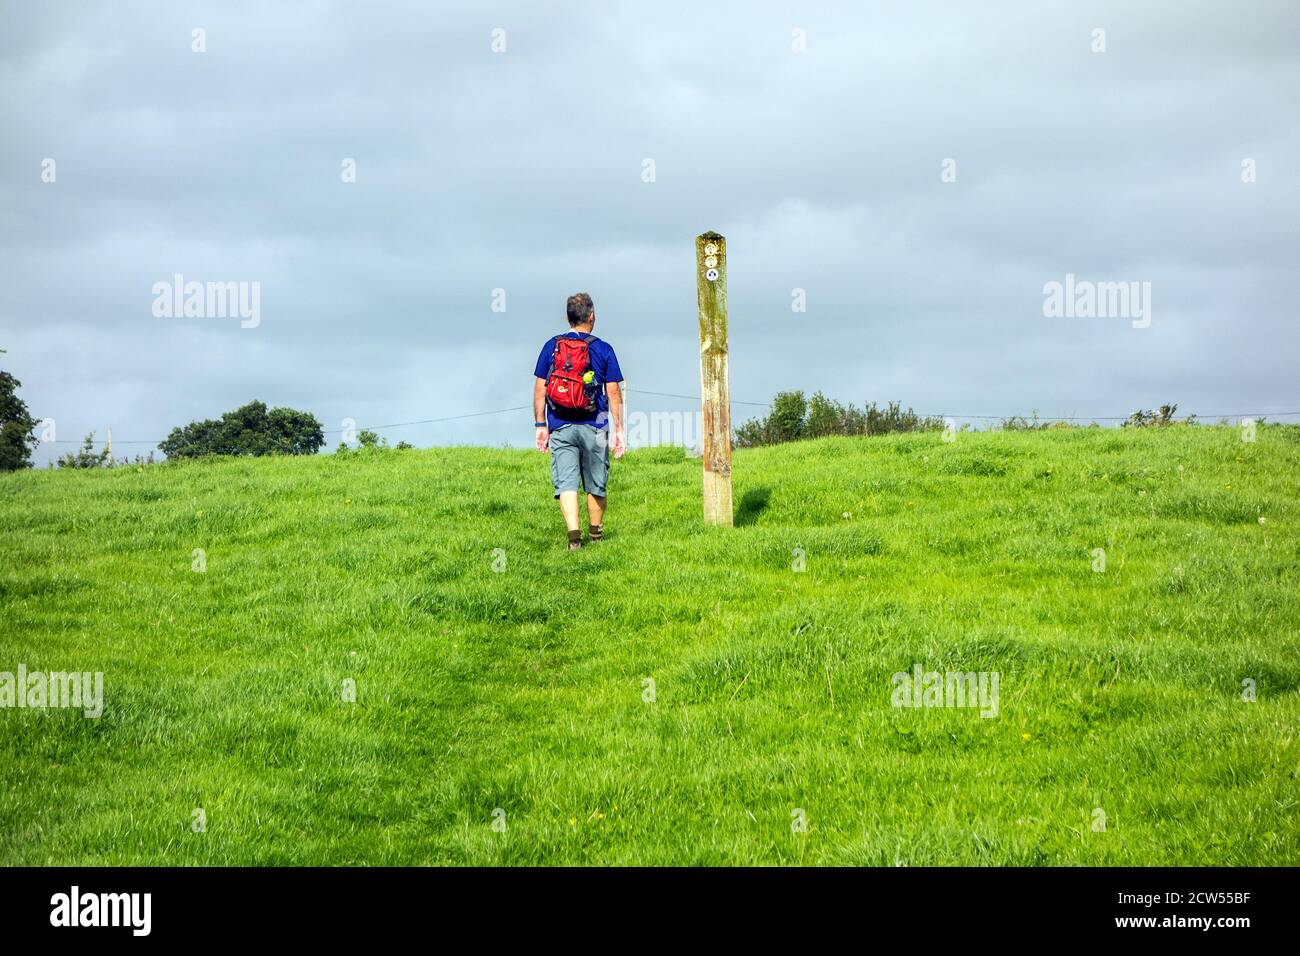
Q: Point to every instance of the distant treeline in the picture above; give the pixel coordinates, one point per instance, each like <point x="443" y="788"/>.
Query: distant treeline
<point x="251" y="429"/>
<point x="794" y="417"/>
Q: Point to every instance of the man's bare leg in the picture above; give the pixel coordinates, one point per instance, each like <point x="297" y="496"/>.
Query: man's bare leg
<point x="569" y="508"/>
<point x="596" y="516"/>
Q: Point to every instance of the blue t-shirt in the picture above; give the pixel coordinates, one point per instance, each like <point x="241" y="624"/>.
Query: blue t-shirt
<point x="603" y="362"/>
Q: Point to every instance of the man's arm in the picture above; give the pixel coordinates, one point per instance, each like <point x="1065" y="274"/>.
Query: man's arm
<point x="614" y="392"/>
<point x="539" y="412"/>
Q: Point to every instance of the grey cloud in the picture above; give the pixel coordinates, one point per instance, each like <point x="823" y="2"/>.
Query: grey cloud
<point x="522" y="171"/>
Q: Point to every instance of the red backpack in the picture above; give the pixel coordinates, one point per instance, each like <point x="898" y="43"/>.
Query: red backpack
<point x="565" y="388"/>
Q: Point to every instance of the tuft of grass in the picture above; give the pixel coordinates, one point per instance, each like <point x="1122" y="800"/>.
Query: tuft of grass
<point x="675" y="694"/>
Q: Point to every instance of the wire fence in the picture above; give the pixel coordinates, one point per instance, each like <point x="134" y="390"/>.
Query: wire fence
<point x="1032" y="416"/>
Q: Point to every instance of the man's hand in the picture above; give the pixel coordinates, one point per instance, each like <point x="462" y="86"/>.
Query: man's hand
<point x="539" y="413"/>
<point x="618" y="437"/>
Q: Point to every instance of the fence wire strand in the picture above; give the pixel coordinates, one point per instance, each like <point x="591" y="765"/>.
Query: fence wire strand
<point x="695" y="398"/>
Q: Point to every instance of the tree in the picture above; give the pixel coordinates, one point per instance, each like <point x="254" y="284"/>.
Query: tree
<point x="248" y="430"/>
<point x="786" y="422"/>
<point x="16" y="425"/>
<point x="825" y="417"/>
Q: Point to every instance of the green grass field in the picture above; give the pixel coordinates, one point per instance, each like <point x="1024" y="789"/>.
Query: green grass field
<point x="525" y="688"/>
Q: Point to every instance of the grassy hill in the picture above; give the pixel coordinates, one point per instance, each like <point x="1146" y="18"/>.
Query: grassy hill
<point x="525" y="688"/>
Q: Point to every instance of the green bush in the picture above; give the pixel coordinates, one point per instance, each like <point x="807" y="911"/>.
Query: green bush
<point x="1160" y="417"/>
<point x="86" y="456"/>
<point x="249" y="430"/>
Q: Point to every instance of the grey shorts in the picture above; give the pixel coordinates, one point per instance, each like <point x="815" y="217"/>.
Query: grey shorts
<point x="580" y="455"/>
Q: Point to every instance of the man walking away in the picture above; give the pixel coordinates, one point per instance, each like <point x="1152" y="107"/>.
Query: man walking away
<point x="576" y="396"/>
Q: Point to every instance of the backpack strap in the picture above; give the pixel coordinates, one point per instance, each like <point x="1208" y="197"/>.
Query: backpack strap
<point x="589" y="339"/>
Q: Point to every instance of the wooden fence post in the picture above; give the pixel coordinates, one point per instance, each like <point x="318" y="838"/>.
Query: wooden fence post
<point x="715" y="389"/>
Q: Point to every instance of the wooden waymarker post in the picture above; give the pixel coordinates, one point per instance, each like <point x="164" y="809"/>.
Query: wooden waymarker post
<point x="715" y="388"/>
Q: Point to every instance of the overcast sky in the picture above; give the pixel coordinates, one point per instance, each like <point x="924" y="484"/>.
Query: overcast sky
<point x="814" y="139"/>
